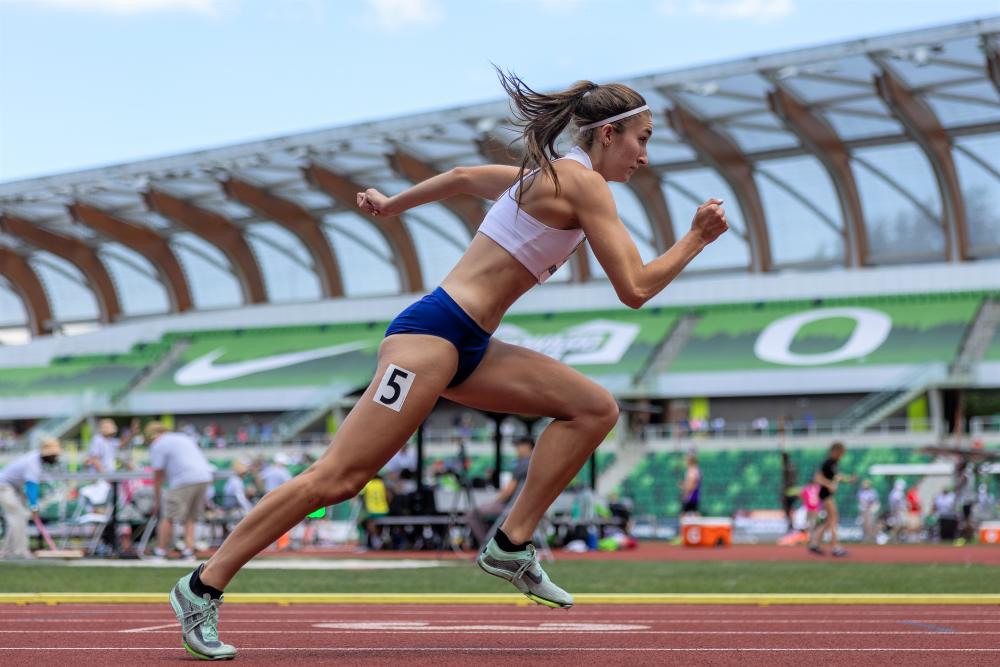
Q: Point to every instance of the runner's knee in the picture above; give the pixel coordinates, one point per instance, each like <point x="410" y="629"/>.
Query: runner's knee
<point x="601" y="409"/>
<point x="330" y="489"/>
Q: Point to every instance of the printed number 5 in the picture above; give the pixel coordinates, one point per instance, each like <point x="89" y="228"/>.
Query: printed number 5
<point x="396" y="389"/>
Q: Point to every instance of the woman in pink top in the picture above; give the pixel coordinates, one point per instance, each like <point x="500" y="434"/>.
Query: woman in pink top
<point x="441" y="345"/>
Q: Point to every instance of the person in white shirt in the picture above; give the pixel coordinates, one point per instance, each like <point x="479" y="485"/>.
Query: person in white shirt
<point x="179" y="464"/>
<point x="946" y="513"/>
<point x="868" y="507"/>
<point x="19" y="482"/>
<point x="276" y="473"/>
<point x="103" y="449"/>
<point x="234" y="494"/>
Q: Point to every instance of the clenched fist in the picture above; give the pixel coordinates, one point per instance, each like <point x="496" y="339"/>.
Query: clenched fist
<point x="710" y="221"/>
<point x="373" y="202"/>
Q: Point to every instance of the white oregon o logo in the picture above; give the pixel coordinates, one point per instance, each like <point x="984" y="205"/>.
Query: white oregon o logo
<point x="870" y="331"/>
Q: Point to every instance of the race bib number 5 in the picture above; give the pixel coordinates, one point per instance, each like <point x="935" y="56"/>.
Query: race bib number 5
<point x="394" y="387"/>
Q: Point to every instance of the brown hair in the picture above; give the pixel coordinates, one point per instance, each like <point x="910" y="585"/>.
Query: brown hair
<point x="544" y="116"/>
<point x="837" y="447"/>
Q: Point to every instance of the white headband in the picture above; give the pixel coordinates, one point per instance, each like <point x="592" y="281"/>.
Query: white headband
<point x="644" y="107"/>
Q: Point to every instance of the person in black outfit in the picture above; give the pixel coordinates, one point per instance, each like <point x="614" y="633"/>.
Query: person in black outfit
<point x="828" y="478"/>
<point x="789" y="488"/>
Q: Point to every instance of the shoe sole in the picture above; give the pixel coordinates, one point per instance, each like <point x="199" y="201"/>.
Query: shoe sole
<point x="551" y="604"/>
<point x="205" y="657"/>
<point x="187" y="647"/>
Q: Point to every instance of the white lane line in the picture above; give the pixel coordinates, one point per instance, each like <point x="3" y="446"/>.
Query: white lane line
<point x="522" y="619"/>
<point x="507" y="649"/>
<point x="533" y="631"/>
<point x="175" y="624"/>
<point x="74" y="615"/>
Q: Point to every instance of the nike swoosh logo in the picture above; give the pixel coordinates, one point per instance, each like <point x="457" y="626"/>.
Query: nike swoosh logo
<point x="203" y="370"/>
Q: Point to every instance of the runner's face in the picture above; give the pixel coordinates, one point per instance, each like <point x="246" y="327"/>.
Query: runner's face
<point x="627" y="151"/>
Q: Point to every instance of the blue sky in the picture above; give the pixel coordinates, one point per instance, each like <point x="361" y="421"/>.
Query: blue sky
<point x="87" y="83"/>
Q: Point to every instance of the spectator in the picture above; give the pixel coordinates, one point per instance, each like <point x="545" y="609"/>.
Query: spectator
<point x="19" y="481"/>
<point x="275" y="474"/>
<point x="476" y="518"/>
<point x="103" y="449"/>
<point x="986" y="503"/>
<point x="812" y="505"/>
<point x="375" y="503"/>
<point x="913" y="514"/>
<point x="946" y="515"/>
<point x="965" y="496"/>
<point x="180" y="465"/>
<point x="829" y="479"/>
<point x="898" y="510"/>
<point x="789" y="488"/>
<point x="691" y="486"/>
<point x="234" y="496"/>
<point x="868" y="508"/>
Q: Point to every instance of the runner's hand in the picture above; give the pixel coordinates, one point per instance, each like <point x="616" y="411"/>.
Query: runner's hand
<point x="373" y="202"/>
<point x="710" y="221"/>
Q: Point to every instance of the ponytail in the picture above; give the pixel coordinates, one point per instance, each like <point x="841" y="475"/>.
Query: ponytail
<point x="545" y="116"/>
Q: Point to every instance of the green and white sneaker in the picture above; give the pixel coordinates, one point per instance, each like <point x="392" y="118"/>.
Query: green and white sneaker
<point x="522" y="569"/>
<point x="199" y="619"/>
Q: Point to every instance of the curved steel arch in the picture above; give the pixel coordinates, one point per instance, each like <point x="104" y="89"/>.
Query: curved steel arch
<point x="822" y="141"/>
<point x="725" y="157"/>
<point x="468" y="208"/>
<point x="147" y="243"/>
<point x="300" y="222"/>
<point x="77" y="253"/>
<point x="923" y="126"/>
<point x="28" y="287"/>
<point x="392" y="228"/>
<point x="646" y="184"/>
<point x="220" y="232"/>
<point x="992" y="62"/>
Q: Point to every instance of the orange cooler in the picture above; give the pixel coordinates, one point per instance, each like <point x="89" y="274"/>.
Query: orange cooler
<point x="707" y="531"/>
<point x="989" y="532"/>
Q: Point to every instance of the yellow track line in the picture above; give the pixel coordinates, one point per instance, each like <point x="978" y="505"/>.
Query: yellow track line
<point x="515" y="599"/>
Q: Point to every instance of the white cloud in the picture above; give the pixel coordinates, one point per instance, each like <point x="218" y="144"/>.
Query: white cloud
<point x="395" y="15"/>
<point x="758" y="11"/>
<point x="205" y="7"/>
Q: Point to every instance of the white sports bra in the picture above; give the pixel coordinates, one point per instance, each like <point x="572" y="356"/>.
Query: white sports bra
<point x="540" y="248"/>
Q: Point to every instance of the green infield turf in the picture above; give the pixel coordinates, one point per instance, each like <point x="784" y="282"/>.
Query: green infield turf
<point x="576" y="576"/>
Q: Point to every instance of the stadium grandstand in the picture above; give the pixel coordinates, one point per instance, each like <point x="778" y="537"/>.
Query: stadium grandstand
<point x="857" y="297"/>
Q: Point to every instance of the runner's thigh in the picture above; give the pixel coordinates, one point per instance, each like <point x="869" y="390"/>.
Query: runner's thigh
<point x="396" y="402"/>
<point x="516" y="380"/>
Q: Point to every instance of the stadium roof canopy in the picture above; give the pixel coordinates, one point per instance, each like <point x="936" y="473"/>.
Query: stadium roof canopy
<point x="870" y="152"/>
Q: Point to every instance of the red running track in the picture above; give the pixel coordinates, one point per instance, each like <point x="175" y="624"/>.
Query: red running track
<point x="986" y="554"/>
<point x="444" y="635"/>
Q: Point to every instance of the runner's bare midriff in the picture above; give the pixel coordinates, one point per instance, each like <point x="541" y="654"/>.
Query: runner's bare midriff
<point x="487" y="279"/>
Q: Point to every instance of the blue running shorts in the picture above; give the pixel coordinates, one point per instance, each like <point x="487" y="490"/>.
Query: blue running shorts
<point x="437" y="314"/>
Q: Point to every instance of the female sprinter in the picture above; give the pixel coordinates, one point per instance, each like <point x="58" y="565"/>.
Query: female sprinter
<point x="441" y="345"/>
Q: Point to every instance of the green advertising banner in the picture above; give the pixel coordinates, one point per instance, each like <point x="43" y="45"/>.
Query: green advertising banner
<point x="849" y="333"/>
<point x="272" y="358"/>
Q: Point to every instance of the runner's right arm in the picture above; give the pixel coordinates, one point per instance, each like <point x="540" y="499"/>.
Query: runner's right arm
<point x="486" y="181"/>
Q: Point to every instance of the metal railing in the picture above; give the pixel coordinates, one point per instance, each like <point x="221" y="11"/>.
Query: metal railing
<point x="792" y="428"/>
